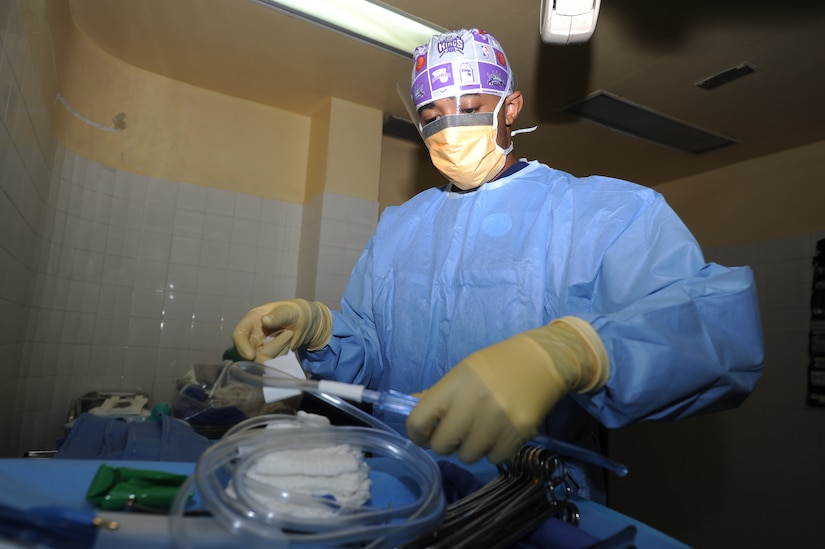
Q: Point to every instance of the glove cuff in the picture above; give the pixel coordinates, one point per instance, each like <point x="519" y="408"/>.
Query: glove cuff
<point x="595" y="367"/>
<point x="323" y="326"/>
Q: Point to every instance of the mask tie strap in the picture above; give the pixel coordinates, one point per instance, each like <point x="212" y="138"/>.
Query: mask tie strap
<point x="509" y="149"/>
<point x="523" y="130"/>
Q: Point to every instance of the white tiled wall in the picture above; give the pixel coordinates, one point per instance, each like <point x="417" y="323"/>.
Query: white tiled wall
<point x="142" y="278"/>
<point x="335" y="230"/>
<point x="25" y="155"/>
<point x="116" y="280"/>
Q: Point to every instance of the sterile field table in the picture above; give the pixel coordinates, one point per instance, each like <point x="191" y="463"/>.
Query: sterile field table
<point x="63" y="483"/>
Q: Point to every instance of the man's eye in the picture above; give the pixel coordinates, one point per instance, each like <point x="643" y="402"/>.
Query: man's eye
<point x="469" y="110"/>
<point x="427" y="119"/>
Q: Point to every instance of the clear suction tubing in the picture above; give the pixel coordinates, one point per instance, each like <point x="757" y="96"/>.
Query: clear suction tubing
<point x="398" y="403"/>
<point x="406" y="499"/>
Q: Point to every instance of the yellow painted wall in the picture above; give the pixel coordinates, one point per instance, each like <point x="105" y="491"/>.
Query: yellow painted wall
<point x="318" y="151"/>
<point x="773" y="196"/>
<point x="174" y="130"/>
<point x="345" y="150"/>
<point x="406" y="170"/>
<point x="354" y="153"/>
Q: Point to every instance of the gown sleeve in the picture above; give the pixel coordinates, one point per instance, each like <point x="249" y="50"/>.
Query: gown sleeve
<point x="353" y="353"/>
<point x="683" y="336"/>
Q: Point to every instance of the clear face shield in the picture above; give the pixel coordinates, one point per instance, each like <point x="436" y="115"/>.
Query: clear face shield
<point x="463" y="110"/>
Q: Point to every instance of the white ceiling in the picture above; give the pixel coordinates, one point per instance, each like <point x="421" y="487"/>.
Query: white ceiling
<point x="651" y="52"/>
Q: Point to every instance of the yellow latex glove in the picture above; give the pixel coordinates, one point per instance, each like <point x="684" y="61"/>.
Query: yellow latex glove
<point x="495" y="399"/>
<point x="291" y="324"/>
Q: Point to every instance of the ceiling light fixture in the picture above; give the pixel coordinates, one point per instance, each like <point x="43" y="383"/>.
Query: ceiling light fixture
<point x="568" y="21"/>
<point x="366" y="20"/>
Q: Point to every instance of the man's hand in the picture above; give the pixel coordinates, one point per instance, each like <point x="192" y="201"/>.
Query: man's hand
<point x="495" y="399"/>
<point x="271" y="329"/>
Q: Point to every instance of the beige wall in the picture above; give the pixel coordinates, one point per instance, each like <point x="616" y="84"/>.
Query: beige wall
<point x="179" y="132"/>
<point x="772" y="196"/>
<point x="173" y="130"/>
<point x="345" y="151"/>
<point x="406" y="170"/>
<point x="354" y="154"/>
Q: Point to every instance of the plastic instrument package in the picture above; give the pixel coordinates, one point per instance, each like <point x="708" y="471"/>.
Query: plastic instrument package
<point x="406" y="494"/>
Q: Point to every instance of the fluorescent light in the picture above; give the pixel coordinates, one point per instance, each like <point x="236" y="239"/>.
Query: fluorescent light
<point x="366" y="20"/>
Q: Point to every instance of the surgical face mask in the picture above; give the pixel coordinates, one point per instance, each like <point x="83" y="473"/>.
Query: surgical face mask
<point x="463" y="147"/>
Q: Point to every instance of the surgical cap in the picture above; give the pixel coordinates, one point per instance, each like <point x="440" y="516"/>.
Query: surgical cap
<point x="460" y="62"/>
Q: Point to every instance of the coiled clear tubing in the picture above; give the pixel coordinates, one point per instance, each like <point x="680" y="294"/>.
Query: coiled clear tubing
<point x="413" y="513"/>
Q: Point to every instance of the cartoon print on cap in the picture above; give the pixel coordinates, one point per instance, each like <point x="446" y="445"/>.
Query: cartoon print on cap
<point x="459" y="62"/>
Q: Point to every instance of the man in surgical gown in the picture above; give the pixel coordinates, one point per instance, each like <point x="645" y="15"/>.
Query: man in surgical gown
<point x="519" y="299"/>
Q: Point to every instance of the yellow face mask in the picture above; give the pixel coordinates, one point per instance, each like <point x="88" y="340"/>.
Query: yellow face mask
<point x="463" y="147"/>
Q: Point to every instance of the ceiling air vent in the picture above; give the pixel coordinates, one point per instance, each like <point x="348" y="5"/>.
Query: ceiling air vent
<point x="401" y="128"/>
<point x="727" y="76"/>
<point x="630" y="118"/>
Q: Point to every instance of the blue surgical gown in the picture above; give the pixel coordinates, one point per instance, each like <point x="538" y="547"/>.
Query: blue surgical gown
<point x="448" y="273"/>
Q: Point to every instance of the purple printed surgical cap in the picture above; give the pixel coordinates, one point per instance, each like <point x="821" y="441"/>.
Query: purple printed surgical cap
<point x="459" y="62"/>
